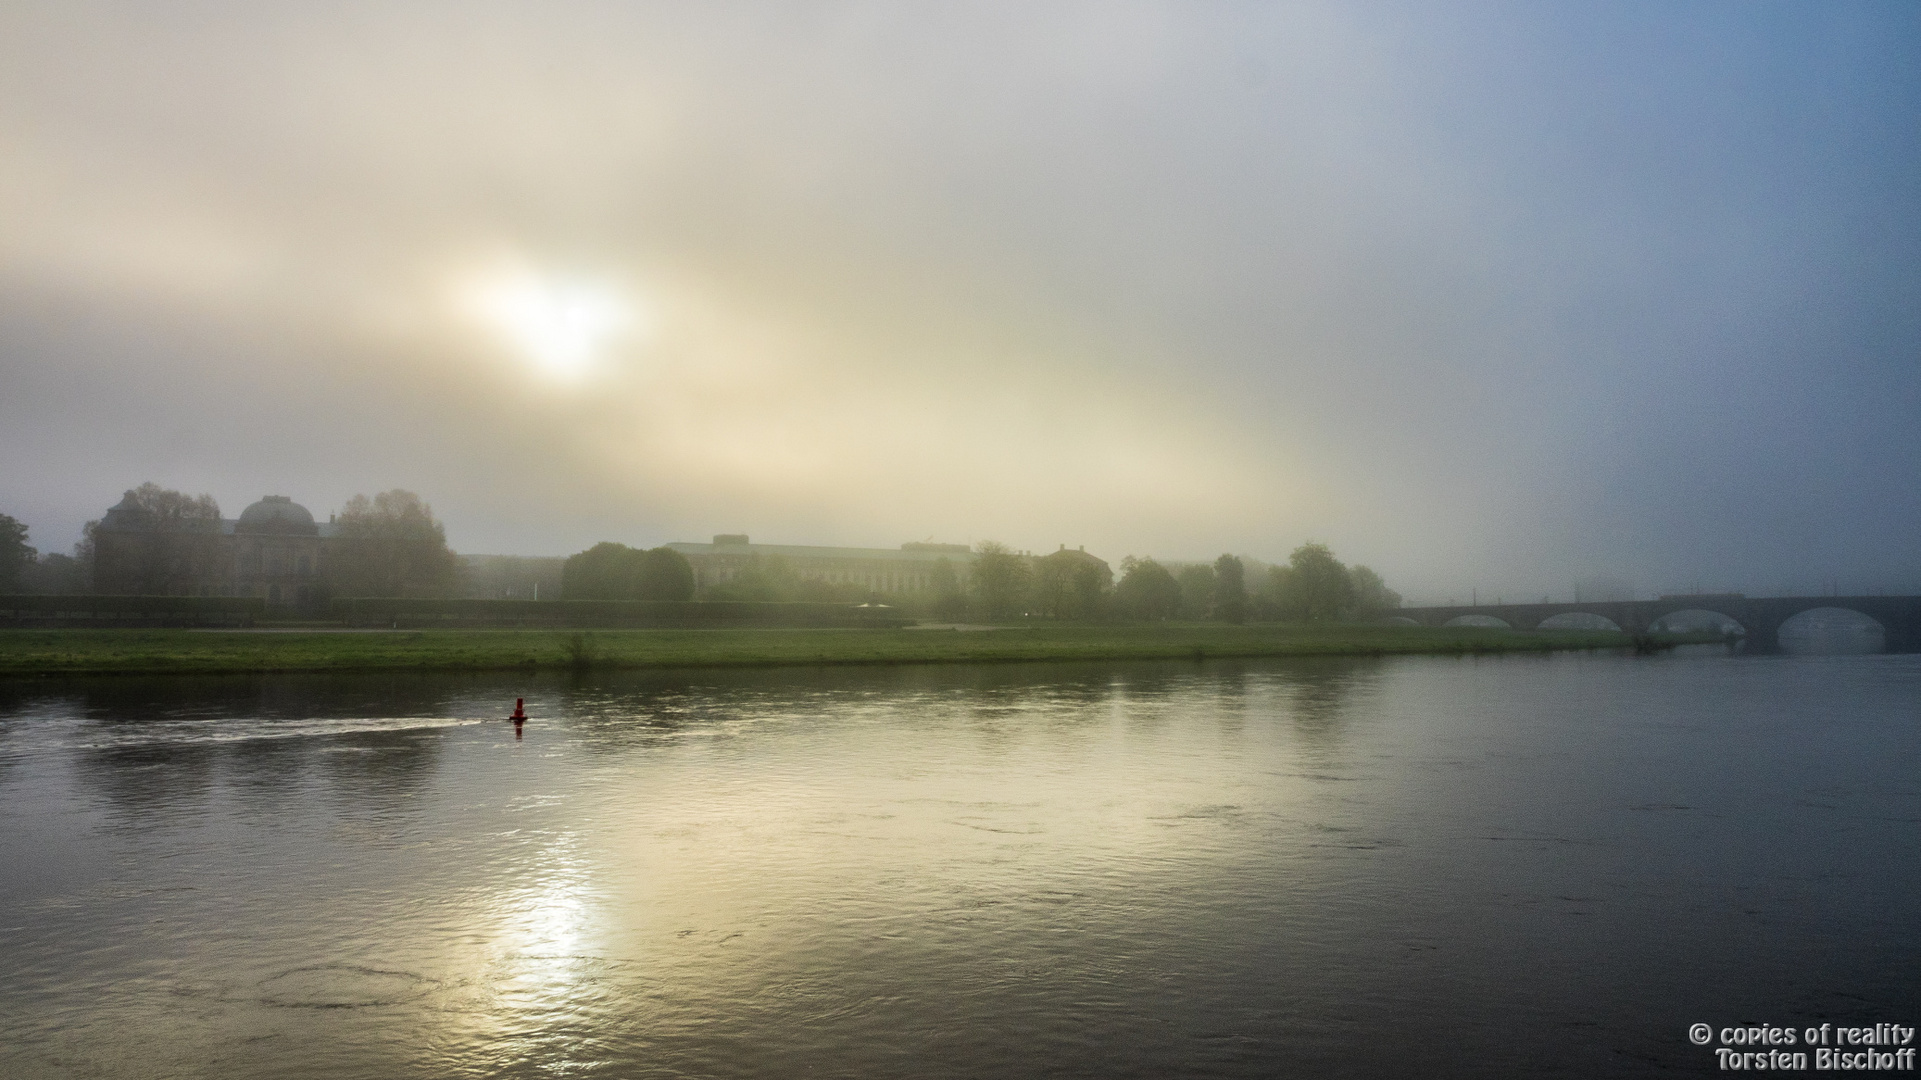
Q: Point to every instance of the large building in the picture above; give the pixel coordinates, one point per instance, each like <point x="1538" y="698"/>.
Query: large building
<point x="274" y="550"/>
<point x="910" y="568"/>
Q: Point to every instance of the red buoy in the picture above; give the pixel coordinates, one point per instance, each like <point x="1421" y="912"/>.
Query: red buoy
<point x="520" y="711"/>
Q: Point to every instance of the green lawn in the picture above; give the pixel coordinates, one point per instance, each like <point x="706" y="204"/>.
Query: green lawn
<point x="49" y="652"/>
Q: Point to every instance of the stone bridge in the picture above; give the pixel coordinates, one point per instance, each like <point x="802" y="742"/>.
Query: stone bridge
<point x="1761" y="617"/>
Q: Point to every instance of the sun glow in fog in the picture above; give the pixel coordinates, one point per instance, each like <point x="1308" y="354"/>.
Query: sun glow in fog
<point x="563" y="326"/>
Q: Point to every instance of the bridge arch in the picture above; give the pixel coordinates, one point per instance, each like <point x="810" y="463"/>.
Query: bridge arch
<point x="1399" y="620"/>
<point x="1578" y="620"/>
<point x="1485" y="622"/>
<point x="1754" y="619"/>
<point x="1826" y="630"/>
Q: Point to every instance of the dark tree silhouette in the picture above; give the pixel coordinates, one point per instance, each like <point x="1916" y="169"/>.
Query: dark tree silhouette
<point x="1197" y="591"/>
<point x="1070" y="584"/>
<point x="1371" y="594"/>
<point x="665" y="574"/>
<point x="390" y="545"/>
<point x="16" y="558"/>
<point x="1315" y="586"/>
<point x="1147" y="590"/>
<point x="1000" y="579"/>
<point x="610" y="571"/>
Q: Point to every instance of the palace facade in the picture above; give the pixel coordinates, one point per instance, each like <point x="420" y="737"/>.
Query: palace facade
<point x="274" y="550"/>
<point x="909" y="568"/>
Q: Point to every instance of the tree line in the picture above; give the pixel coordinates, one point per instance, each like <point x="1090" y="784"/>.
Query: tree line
<point x="1312" y="586"/>
<point x="1001" y="583"/>
<point x="391" y="545"/>
<point x="388" y="544"/>
<point x="25" y="570"/>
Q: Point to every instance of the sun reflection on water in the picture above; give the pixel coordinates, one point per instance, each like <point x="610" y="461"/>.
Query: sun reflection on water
<point x="538" y="972"/>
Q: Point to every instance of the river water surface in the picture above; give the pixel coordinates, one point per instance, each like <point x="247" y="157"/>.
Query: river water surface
<point x="1441" y="866"/>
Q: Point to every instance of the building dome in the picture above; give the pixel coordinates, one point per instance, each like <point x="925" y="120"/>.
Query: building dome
<point x="276" y="513"/>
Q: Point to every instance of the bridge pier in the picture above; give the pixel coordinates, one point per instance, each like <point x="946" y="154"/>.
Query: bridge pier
<point x="1764" y="633"/>
<point x="1902" y="623"/>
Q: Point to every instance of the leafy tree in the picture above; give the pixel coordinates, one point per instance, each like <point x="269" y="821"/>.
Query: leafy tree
<point x="160" y="541"/>
<point x="1230" y="590"/>
<point x="1001" y="580"/>
<point x="154" y="507"/>
<point x="1371" y="594"/>
<point x="392" y="546"/>
<point x="55" y="574"/>
<point x="1092" y="582"/>
<point x="665" y="574"/>
<point x="1315" y="587"/>
<point x="1070" y="584"/>
<point x="1053" y="585"/>
<point x="950" y="600"/>
<point x="1197" y="590"/>
<point x="83" y="553"/>
<point x="610" y="571"/>
<point x="16" y="558"/>
<point x="606" y="571"/>
<point x="1147" y="590"/>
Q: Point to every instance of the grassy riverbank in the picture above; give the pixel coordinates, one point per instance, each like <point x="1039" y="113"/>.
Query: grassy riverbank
<point x="69" y="652"/>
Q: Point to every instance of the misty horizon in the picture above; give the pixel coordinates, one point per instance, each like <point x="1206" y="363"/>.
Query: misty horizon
<point x="1492" y="298"/>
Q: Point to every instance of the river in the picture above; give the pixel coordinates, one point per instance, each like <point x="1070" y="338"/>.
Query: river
<point x="1508" y="865"/>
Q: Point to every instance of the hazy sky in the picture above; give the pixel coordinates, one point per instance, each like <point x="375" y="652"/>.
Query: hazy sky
<point x="1485" y="296"/>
